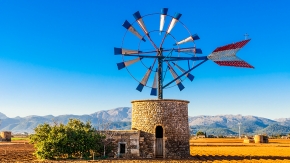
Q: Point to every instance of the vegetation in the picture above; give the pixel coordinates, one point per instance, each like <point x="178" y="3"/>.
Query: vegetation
<point x="212" y="130"/>
<point x="199" y="133"/>
<point x="276" y="129"/>
<point x="74" y="140"/>
<point x="19" y="139"/>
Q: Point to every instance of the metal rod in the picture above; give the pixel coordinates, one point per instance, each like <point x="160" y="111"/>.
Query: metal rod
<point x="160" y="80"/>
<point x="169" y="59"/>
<point x="185" y="73"/>
<point x="170" y="54"/>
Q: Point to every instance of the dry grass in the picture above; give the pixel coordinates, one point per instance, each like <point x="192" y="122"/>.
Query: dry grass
<point x="232" y="140"/>
<point x="216" y="140"/>
<point x="278" y="150"/>
<point x="241" y="151"/>
<point x="280" y="141"/>
<point x="233" y="150"/>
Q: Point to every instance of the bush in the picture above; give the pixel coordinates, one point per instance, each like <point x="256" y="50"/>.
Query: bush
<point x="199" y="133"/>
<point x="74" y="140"/>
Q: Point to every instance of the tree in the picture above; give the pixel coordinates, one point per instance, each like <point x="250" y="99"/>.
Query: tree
<point x="199" y="133"/>
<point x="74" y="140"/>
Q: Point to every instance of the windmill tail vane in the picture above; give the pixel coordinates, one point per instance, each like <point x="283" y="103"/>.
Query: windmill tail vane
<point x="175" y="62"/>
<point x="226" y="55"/>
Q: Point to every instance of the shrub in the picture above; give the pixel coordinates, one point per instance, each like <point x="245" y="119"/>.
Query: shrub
<point x="199" y="133"/>
<point x="74" y="140"/>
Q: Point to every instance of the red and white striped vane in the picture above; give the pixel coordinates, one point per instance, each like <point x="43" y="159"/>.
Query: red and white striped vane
<point x="226" y="55"/>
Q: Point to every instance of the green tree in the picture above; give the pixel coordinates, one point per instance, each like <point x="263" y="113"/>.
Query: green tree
<point x="74" y="140"/>
<point x="199" y="133"/>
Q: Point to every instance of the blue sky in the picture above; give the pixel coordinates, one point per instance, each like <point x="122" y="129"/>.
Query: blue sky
<point x="56" y="57"/>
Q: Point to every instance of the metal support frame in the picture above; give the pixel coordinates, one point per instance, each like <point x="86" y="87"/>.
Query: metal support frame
<point x="184" y="73"/>
<point x="160" y="75"/>
<point x="162" y="59"/>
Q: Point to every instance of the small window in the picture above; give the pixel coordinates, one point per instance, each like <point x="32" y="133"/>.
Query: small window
<point x="122" y="148"/>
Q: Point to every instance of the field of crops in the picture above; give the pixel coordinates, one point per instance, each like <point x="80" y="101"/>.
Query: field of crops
<point x="231" y="150"/>
<point x="232" y="140"/>
<point x="241" y="153"/>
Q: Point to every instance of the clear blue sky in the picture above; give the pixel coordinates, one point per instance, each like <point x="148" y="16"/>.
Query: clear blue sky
<point x="56" y="57"/>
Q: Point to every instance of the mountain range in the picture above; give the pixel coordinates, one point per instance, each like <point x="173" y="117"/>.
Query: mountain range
<point x="120" y="118"/>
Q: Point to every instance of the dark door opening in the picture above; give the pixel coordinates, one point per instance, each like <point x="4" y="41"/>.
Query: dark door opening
<point x="159" y="141"/>
<point x="159" y="132"/>
<point x="122" y="148"/>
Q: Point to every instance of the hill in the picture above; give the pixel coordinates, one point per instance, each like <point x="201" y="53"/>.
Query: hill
<point x="283" y="121"/>
<point x="120" y="118"/>
<point x="275" y="129"/>
<point x="3" y="116"/>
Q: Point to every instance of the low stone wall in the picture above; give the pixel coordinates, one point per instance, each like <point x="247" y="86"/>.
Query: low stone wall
<point x="129" y="139"/>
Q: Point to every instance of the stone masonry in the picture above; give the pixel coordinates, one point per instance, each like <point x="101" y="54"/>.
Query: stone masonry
<point x="172" y="116"/>
<point x="159" y="129"/>
<point x="5" y="136"/>
<point x="129" y="139"/>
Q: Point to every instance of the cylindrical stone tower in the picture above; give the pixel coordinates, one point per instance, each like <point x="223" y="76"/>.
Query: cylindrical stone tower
<point x="163" y="125"/>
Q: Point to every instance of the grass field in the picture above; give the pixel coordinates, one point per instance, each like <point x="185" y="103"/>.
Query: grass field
<point x="19" y="139"/>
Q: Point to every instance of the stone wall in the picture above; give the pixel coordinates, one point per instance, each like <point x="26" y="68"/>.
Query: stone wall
<point x="172" y="115"/>
<point x="128" y="137"/>
<point x="5" y="136"/>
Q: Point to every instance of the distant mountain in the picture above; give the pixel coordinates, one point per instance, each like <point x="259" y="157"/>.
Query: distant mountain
<point x="229" y="121"/>
<point x="212" y="130"/>
<point x="284" y="121"/>
<point x="122" y="114"/>
<point x="120" y="118"/>
<point x="228" y="124"/>
<point x="275" y="129"/>
<point x="3" y="116"/>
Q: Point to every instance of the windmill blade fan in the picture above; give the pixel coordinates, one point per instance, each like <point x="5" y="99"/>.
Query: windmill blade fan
<point x="171" y="54"/>
<point x="144" y="80"/>
<point x="174" y="75"/>
<point x="188" y="39"/>
<point x="129" y="27"/>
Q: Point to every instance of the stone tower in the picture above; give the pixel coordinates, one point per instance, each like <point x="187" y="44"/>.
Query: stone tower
<point x="163" y="125"/>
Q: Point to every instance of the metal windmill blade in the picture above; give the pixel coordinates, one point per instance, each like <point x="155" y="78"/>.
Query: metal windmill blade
<point x="168" y="56"/>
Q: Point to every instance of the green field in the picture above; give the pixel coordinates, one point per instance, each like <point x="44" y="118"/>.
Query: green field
<point x="20" y="139"/>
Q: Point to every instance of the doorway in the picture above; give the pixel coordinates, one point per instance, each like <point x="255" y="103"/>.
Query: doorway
<point x="159" y="141"/>
<point x="122" y="149"/>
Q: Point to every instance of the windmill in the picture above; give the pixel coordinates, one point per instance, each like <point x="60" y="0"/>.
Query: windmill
<point x="170" y="55"/>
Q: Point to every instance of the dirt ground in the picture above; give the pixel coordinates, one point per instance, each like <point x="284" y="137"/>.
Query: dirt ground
<point x="275" y="151"/>
<point x="13" y="152"/>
